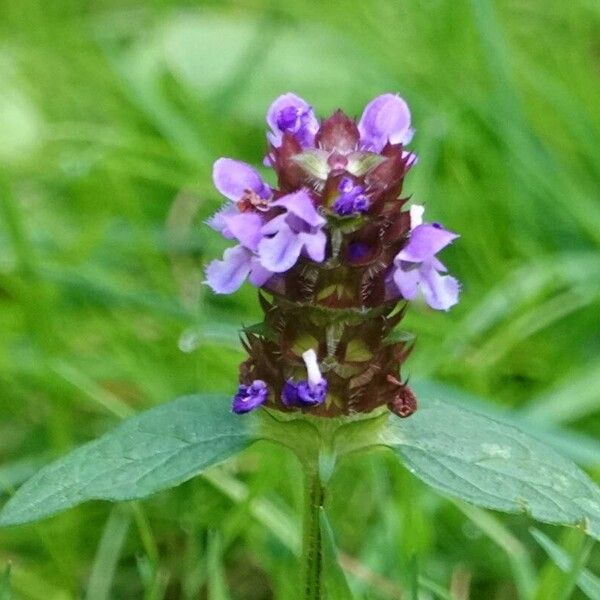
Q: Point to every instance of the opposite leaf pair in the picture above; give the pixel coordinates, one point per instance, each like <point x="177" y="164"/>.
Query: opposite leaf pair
<point x="455" y="451"/>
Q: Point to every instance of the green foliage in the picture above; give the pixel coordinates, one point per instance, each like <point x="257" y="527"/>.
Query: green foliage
<point x="587" y="582"/>
<point x="5" y="591"/>
<point x="111" y="114"/>
<point x="490" y="464"/>
<point x="336" y="586"/>
<point x="155" y="450"/>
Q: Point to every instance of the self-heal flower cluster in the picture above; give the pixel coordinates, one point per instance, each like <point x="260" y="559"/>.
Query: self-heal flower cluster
<point x="336" y="257"/>
<point x="266" y="245"/>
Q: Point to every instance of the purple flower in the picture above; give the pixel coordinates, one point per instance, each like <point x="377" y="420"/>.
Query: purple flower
<point x="290" y="113"/>
<point x="249" y="397"/>
<point x="351" y="199"/>
<point x="416" y="267"/>
<point x="233" y="178"/>
<point x="299" y="229"/>
<point x="385" y="119"/>
<point x="307" y="392"/>
<point x="227" y="275"/>
<point x="250" y="194"/>
<point x="302" y="394"/>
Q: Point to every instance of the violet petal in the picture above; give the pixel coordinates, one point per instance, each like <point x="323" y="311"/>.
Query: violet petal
<point x="293" y="114"/>
<point x="407" y="282"/>
<point x="289" y="395"/>
<point x="274" y="225"/>
<point x="218" y="221"/>
<point x="300" y="204"/>
<point x="233" y="177"/>
<point x="227" y="275"/>
<point x="385" y="118"/>
<point x="440" y="291"/>
<point x="258" y="274"/>
<point x="246" y="228"/>
<point x="314" y="244"/>
<point x="425" y="241"/>
<point x="249" y="397"/>
<point x="280" y="252"/>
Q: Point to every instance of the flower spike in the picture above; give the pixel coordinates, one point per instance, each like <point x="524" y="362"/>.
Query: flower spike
<point x="336" y="256"/>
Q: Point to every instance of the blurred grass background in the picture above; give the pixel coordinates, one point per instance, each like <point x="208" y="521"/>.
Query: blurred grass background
<point x="111" y="114"/>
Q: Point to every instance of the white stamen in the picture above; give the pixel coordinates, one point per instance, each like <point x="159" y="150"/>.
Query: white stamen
<point x="312" y="367"/>
<point x="416" y="215"/>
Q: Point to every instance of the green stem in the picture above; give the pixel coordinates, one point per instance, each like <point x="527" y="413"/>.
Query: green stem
<point x="312" y="563"/>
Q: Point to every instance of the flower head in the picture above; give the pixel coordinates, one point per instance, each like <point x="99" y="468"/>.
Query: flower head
<point x="333" y="252"/>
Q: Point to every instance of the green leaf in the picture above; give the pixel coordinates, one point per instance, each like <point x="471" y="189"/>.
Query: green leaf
<point x="217" y="582"/>
<point x="155" y="450"/>
<point x="588" y="583"/>
<point x="336" y="585"/>
<point x="583" y="449"/>
<point x="108" y="554"/>
<point x="494" y="465"/>
<point x="5" y="588"/>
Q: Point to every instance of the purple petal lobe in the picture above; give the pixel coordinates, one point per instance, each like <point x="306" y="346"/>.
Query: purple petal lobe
<point x="280" y="252"/>
<point x="438" y="265"/>
<point x="311" y="395"/>
<point x="407" y="282"/>
<point x="218" y="221"/>
<point x="303" y="394"/>
<point x="246" y="228"/>
<point x="351" y="199"/>
<point x="425" y="241"/>
<point x="274" y="225"/>
<point x="232" y="178"/>
<point x="258" y="274"/>
<point x="289" y="395"/>
<point x="249" y="397"/>
<point x="314" y="244"/>
<point x="300" y="204"/>
<point x="386" y="118"/>
<point x="227" y="275"/>
<point x="440" y="291"/>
